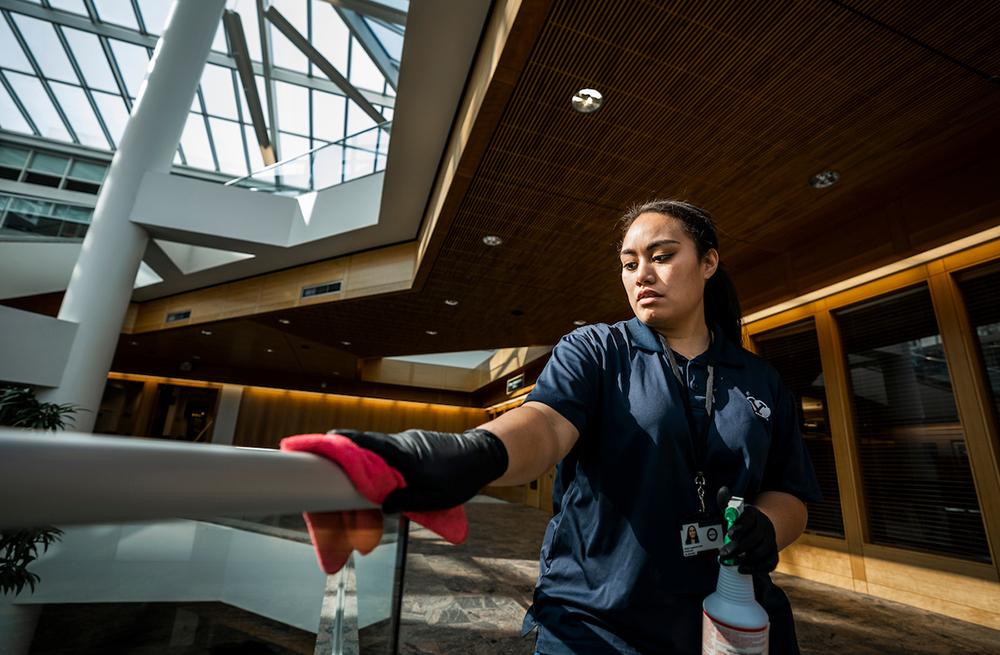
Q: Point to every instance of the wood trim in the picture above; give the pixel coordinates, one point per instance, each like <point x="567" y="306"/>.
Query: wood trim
<point x="972" y="400"/>
<point x="385" y="270"/>
<point x="845" y="451"/>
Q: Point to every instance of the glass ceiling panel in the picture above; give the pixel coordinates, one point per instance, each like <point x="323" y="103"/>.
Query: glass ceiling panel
<point x="293" y="145"/>
<point x="118" y="12"/>
<point x="114" y="113"/>
<point x="287" y="55"/>
<point x="328" y="116"/>
<point x="293" y="109"/>
<point x="229" y="146"/>
<point x="194" y="140"/>
<point x="75" y="6"/>
<point x="247" y="9"/>
<point x="86" y="49"/>
<point x="80" y="115"/>
<point x="391" y="41"/>
<point x="48" y="52"/>
<point x="335" y="34"/>
<point x="132" y="61"/>
<point x="11" y="55"/>
<point x="154" y="14"/>
<point x="10" y="116"/>
<point x="29" y="90"/>
<point x="364" y="73"/>
<point x="217" y="88"/>
<point x="307" y="116"/>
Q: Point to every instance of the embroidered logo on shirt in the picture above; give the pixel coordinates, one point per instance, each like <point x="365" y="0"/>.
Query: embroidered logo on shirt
<point x="759" y="408"/>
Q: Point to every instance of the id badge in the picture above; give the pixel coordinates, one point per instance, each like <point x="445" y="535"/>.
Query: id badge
<point x="700" y="536"/>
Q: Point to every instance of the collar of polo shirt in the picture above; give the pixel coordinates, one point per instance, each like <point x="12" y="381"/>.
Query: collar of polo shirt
<point x="722" y="350"/>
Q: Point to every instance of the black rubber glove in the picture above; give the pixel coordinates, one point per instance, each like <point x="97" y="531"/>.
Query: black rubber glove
<point x="441" y="469"/>
<point x="753" y="545"/>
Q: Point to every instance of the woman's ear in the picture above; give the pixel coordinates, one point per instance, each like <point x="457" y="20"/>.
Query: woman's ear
<point x="710" y="262"/>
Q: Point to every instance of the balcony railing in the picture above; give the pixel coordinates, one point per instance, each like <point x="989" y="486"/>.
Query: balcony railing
<point x="349" y="158"/>
<point x="198" y="529"/>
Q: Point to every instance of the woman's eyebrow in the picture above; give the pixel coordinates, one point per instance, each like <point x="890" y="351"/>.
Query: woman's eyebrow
<point x="654" y="245"/>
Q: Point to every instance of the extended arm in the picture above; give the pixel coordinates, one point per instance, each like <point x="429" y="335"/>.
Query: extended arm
<point x="536" y="437"/>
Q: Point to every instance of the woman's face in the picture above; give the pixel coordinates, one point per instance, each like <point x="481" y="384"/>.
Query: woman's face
<point x="661" y="271"/>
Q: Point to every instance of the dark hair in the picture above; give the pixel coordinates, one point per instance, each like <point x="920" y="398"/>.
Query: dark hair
<point x="722" y="306"/>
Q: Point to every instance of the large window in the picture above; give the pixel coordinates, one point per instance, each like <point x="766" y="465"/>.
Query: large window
<point x="980" y="288"/>
<point x="917" y="484"/>
<point x="794" y="351"/>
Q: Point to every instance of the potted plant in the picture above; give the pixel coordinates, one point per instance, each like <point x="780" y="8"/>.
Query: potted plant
<point x="18" y="548"/>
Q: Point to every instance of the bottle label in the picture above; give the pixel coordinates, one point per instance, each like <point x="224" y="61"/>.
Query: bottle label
<point x="717" y="638"/>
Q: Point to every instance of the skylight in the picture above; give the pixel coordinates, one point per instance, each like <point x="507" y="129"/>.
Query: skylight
<point x="70" y="71"/>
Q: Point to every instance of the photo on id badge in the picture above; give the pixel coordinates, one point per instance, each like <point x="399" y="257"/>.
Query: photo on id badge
<point x="699" y="537"/>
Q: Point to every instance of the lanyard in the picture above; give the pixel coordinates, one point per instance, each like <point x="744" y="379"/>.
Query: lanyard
<point x="699" y="442"/>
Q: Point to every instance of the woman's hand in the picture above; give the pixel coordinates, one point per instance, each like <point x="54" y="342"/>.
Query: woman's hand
<point x="753" y="544"/>
<point x="441" y="469"/>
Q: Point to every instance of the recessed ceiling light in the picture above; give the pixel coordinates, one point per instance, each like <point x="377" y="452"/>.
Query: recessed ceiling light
<point x="450" y="302"/>
<point x="346" y="343"/>
<point x="207" y="333"/>
<point x="579" y="323"/>
<point x="133" y="343"/>
<point x="431" y="332"/>
<point x="824" y="179"/>
<point x="492" y="240"/>
<point x="284" y="321"/>
<point x="336" y="372"/>
<point x="587" y="101"/>
<point x="322" y="385"/>
<point x="270" y="350"/>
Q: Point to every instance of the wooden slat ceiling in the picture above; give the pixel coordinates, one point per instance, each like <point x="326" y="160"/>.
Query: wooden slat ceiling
<point x="732" y="105"/>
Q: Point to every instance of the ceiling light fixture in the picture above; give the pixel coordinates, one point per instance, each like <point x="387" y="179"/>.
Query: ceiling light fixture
<point x="431" y="332"/>
<point x="450" y="302"/>
<point x="207" y="333"/>
<point x="824" y="179"/>
<point x="346" y="343"/>
<point x="133" y="343"/>
<point x="492" y="240"/>
<point x="284" y="321"/>
<point x="270" y="350"/>
<point x="578" y="323"/>
<point x="587" y="101"/>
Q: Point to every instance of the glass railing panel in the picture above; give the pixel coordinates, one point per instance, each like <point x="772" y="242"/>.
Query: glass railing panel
<point x="248" y="584"/>
<point x="350" y="158"/>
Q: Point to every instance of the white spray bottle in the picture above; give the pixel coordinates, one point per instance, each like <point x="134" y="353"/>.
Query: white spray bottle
<point x="733" y="622"/>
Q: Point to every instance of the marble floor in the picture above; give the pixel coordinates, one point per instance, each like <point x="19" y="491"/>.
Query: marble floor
<point x="470" y="599"/>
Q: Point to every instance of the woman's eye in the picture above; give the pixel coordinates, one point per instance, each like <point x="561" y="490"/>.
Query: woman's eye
<point x="629" y="266"/>
<point x="662" y="258"/>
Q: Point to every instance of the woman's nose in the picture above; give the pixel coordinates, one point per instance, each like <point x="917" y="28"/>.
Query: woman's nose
<point x="643" y="272"/>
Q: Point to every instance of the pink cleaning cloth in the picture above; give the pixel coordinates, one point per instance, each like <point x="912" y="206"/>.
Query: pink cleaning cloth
<point x="336" y="534"/>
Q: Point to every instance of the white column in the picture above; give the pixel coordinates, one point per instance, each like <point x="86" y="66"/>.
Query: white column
<point x="101" y="286"/>
<point x="227" y="413"/>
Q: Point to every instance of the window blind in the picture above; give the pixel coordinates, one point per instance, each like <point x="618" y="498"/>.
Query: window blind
<point x="794" y="351"/>
<point x="917" y="484"/>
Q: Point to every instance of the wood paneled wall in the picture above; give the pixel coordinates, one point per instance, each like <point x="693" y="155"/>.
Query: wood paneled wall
<point x="267" y="415"/>
<point x="966" y="590"/>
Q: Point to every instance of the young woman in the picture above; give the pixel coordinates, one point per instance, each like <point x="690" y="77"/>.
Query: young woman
<point x="652" y="421"/>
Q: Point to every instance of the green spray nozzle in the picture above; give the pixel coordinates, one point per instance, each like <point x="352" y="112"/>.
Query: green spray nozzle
<point x="732" y="512"/>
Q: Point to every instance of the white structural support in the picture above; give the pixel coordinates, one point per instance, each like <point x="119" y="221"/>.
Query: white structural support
<point x="63" y="478"/>
<point x="101" y="285"/>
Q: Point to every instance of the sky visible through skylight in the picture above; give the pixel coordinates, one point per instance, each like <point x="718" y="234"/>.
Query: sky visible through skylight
<point x="65" y="75"/>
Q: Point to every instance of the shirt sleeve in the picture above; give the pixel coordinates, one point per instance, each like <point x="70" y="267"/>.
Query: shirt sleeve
<point x="788" y="466"/>
<point x="569" y="381"/>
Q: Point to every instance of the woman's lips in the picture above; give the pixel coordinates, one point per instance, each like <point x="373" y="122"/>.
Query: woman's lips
<point x="649" y="300"/>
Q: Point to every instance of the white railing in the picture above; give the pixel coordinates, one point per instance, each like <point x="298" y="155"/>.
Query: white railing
<point x="64" y="478"/>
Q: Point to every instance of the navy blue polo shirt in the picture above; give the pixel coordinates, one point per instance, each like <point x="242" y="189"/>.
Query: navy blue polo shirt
<point x="612" y="575"/>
